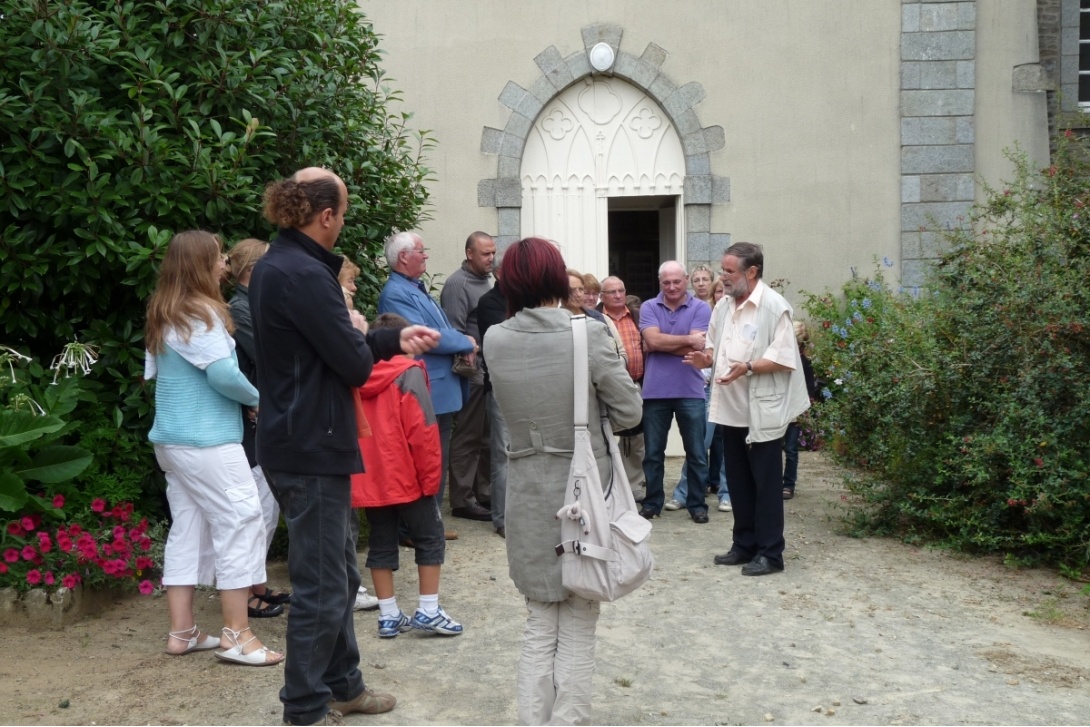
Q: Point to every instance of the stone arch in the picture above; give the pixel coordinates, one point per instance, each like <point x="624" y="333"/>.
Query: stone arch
<point x="701" y="188"/>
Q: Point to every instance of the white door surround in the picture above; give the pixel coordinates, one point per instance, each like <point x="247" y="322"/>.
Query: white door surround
<point x="630" y="77"/>
<point x="600" y="138"/>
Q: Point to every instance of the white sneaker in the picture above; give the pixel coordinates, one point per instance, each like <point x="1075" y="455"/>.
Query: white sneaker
<point x="724" y="506"/>
<point x="365" y="601"/>
<point x="672" y="505"/>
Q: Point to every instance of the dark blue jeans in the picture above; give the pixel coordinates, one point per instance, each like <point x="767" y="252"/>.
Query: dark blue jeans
<point x="791" y="456"/>
<point x="691" y="423"/>
<point x="322" y="655"/>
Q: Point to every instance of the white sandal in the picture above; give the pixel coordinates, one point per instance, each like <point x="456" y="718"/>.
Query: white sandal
<point x="189" y="636"/>
<point x="235" y="655"/>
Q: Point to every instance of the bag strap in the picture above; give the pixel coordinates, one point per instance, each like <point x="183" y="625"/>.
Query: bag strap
<point x="581" y="368"/>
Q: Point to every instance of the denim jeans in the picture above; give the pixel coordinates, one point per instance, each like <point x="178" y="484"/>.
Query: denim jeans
<point x="791" y="455"/>
<point x="691" y="422"/>
<point x="716" y="467"/>
<point x="322" y="655"/>
<point x="497" y="441"/>
<point x="446" y="427"/>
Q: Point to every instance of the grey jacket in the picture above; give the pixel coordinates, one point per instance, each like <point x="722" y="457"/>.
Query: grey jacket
<point x="459" y="298"/>
<point x="530" y="364"/>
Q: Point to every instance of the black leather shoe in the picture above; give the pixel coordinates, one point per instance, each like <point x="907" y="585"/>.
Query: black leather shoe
<point x="734" y="557"/>
<point x="501" y="531"/>
<point x="646" y="512"/>
<point x="486" y="504"/>
<point x="760" y="566"/>
<point x="700" y="516"/>
<point x="472" y="511"/>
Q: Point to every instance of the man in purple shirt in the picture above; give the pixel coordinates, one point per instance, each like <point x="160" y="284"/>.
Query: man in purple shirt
<point x="673" y="323"/>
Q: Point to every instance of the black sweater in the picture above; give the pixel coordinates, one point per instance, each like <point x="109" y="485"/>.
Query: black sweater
<point x="309" y="358"/>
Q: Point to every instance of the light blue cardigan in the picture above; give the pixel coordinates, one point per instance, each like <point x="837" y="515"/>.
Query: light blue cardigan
<point x="197" y="407"/>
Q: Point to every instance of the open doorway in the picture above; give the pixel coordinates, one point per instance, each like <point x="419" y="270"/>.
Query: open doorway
<point x="642" y="234"/>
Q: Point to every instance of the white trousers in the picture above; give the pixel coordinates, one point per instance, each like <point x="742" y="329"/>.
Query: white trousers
<point x="214" y="505"/>
<point x="556" y="668"/>
<point x="270" y="510"/>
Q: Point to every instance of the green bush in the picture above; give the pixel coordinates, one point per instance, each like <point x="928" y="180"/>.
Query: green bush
<point x="124" y="122"/>
<point x="966" y="403"/>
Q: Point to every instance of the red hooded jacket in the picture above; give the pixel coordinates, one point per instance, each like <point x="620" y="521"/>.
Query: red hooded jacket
<point x="404" y="460"/>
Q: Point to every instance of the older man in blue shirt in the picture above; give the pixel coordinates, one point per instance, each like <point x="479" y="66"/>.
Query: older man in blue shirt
<point x="406" y="295"/>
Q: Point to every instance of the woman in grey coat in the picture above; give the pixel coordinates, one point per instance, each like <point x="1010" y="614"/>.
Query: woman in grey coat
<point x="530" y="364"/>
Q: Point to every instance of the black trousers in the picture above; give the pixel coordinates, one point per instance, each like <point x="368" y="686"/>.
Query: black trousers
<point x="755" y="474"/>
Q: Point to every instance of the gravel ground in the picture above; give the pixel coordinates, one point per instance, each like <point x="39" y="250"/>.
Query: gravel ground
<point x="853" y="632"/>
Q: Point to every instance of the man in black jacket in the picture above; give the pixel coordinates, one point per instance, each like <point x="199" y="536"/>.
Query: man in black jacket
<point x="311" y="353"/>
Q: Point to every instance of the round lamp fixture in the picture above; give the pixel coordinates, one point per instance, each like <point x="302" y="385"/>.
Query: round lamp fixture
<point x="601" y="57"/>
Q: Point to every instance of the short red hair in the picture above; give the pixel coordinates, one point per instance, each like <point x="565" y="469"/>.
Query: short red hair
<point x="533" y="273"/>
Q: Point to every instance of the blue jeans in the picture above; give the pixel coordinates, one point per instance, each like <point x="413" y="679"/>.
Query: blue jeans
<point x="791" y="455"/>
<point x="717" y="465"/>
<point x="691" y="422"/>
<point x="323" y="657"/>
<point x="446" y="426"/>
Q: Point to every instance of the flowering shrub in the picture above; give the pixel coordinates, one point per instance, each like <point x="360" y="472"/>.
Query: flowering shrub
<point x="966" y="403"/>
<point x="102" y="545"/>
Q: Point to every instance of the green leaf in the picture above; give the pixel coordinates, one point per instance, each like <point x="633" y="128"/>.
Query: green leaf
<point x="56" y="464"/>
<point x="13" y="494"/>
<point x="20" y="427"/>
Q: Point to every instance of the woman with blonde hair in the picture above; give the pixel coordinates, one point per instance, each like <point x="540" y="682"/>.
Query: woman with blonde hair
<point x="703" y="281"/>
<point x="197" y="435"/>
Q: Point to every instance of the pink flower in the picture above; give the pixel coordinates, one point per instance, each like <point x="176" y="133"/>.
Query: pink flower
<point x="64" y="543"/>
<point x="11" y="555"/>
<point x="74" y="529"/>
<point x="34" y="577"/>
<point x="44" y="542"/>
<point x="28" y="523"/>
<point x="14" y="528"/>
<point x="145" y="544"/>
<point x="3" y="568"/>
<point x="58" y="501"/>
<point x="146" y="587"/>
<point x="108" y="549"/>
<point x="119" y="532"/>
<point x="98" y="504"/>
<point x="69" y="581"/>
<point x="49" y="577"/>
<point x="29" y="553"/>
<point x="143" y="562"/>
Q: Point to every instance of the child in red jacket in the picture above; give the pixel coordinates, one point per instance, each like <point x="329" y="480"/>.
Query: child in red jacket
<point x="404" y="463"/>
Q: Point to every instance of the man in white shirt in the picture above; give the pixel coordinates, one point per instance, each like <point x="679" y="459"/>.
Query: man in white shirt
<point x="758" y="389"/>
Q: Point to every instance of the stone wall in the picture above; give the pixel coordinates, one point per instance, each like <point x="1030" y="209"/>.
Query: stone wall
<point x="51" y="609"/>
<point x="938" y="87"/>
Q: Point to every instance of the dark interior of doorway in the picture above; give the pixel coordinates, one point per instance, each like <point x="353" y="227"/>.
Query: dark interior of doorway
<point x="635" y="241"/>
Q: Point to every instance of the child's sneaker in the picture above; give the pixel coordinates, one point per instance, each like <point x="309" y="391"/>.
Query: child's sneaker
<point x="440" y="623"/>
<point x="388" y="628"/>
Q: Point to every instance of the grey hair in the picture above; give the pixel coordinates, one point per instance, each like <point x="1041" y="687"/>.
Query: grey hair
<point x="668" y="263"/>
<point x="398" y="243"/>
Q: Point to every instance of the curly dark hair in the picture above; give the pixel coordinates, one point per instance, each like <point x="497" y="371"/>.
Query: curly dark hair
<point x="289" y="203"/>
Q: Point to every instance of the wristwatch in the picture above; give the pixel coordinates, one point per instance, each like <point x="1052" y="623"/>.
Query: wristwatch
<point x="749" y="368"/>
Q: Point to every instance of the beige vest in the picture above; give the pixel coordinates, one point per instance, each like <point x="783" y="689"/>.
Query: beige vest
<point x="778" y="398"/>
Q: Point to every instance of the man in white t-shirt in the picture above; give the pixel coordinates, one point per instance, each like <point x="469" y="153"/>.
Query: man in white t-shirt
<point x="757" y="390"/>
